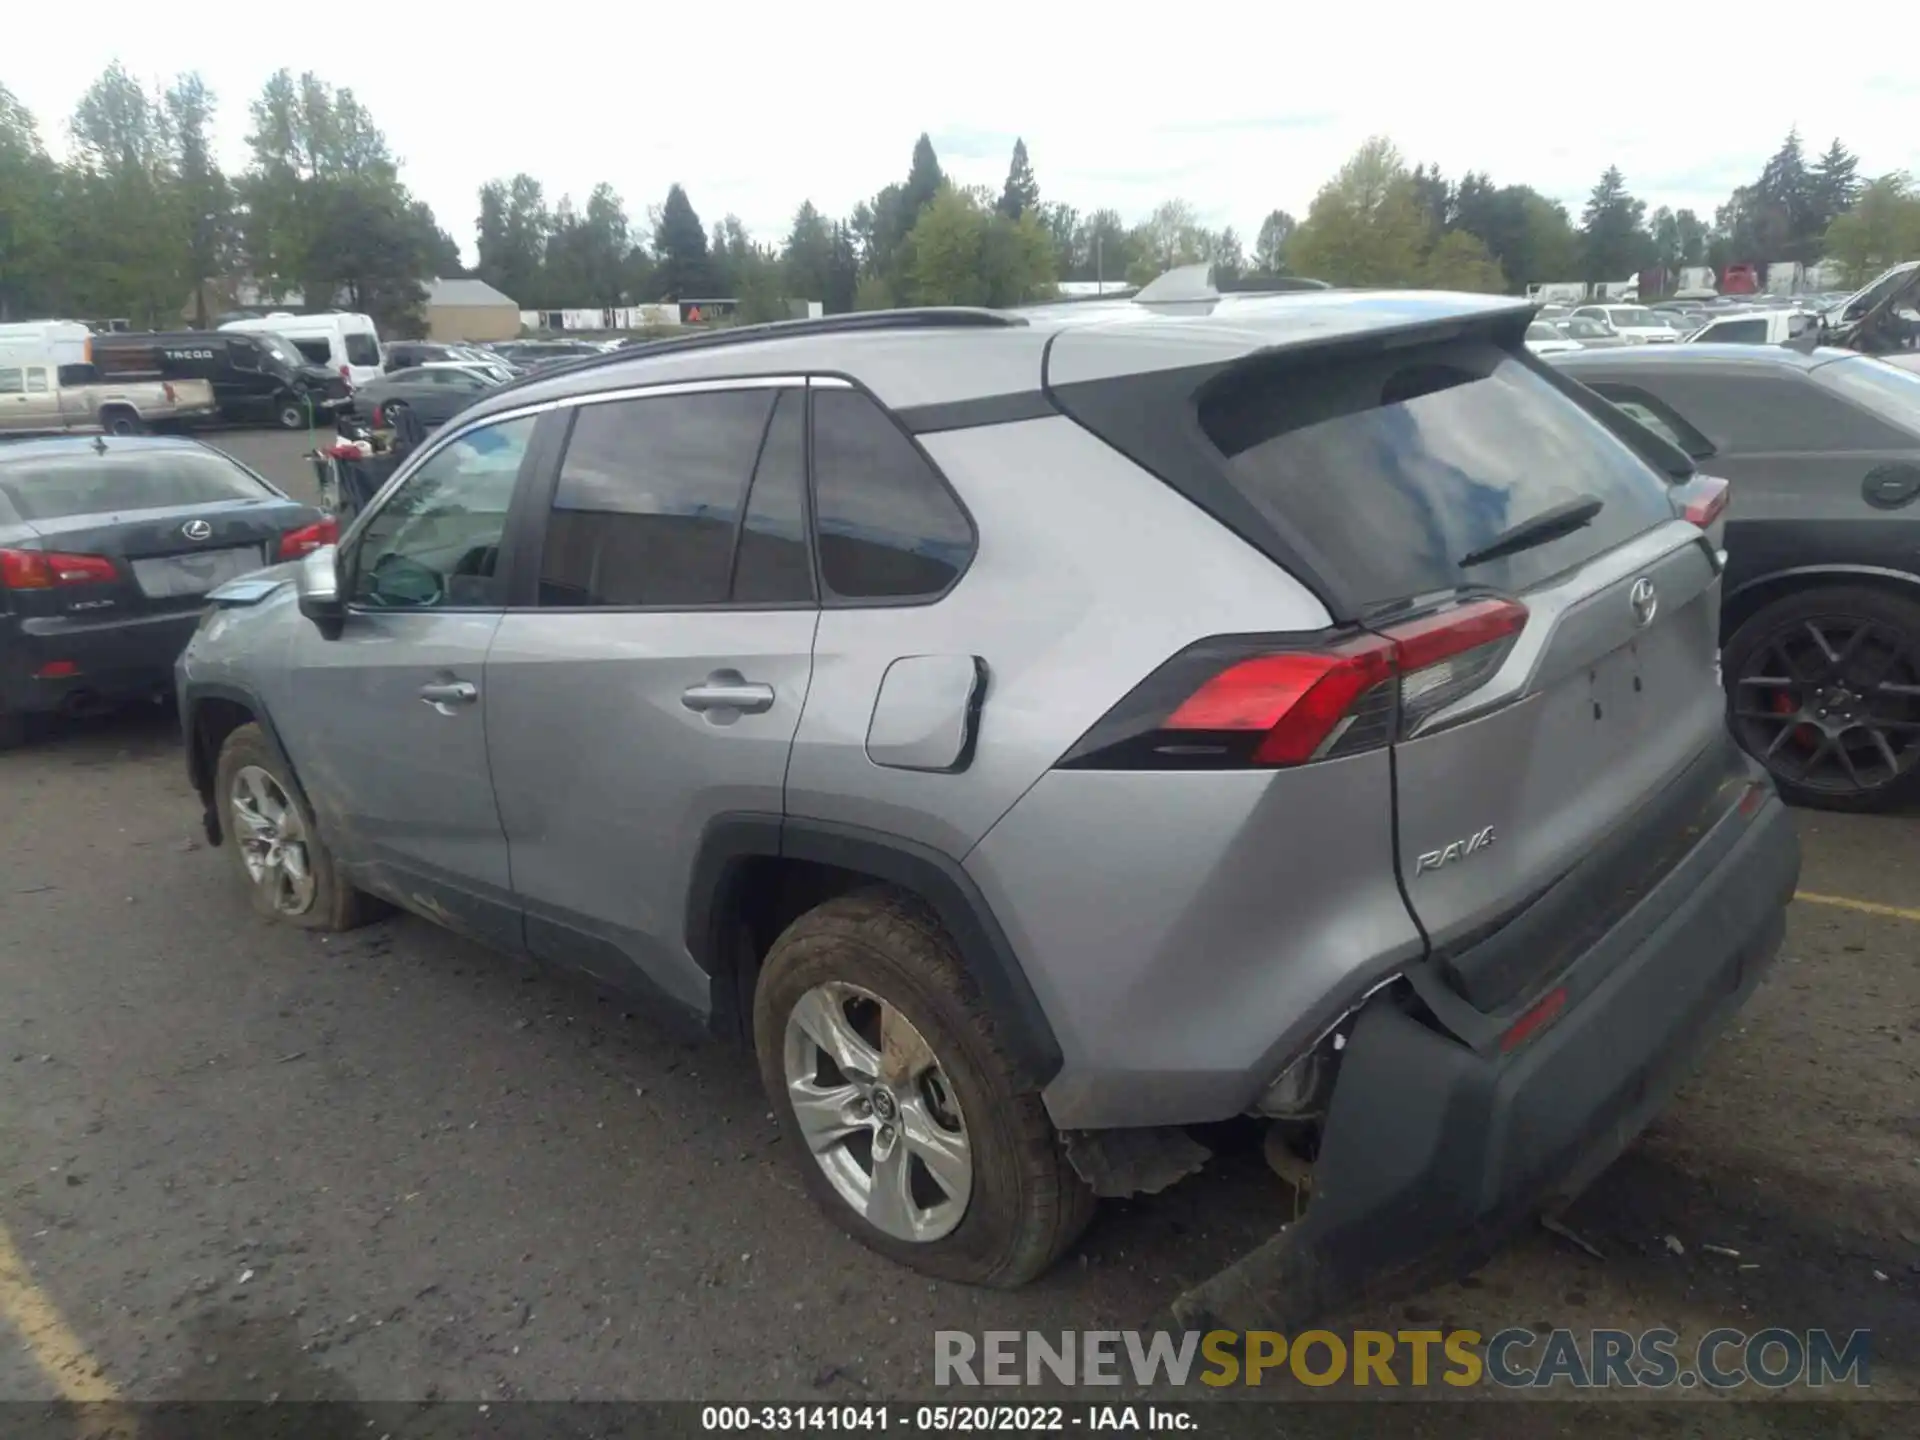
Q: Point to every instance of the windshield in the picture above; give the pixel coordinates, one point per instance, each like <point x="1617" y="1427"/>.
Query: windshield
<point x="1627" y="316"/>
<point x="1584" y="329"/>
<point x="1889" y="391"/>
<point x="1537" y="331"/>
<point x="55" y="486"/>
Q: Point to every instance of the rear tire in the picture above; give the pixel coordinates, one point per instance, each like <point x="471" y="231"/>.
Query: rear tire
<point x="877" y="959"/>
<point x="120" y="420"/>
<point x="1808" y="684"/>
<point x="265" y="820"/>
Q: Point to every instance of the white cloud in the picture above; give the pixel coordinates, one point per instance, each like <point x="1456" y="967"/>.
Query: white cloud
<point x="1238" y="109"/>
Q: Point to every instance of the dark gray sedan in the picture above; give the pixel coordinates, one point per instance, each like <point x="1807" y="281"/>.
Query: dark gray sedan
<point x="435" y="394"/>
<point x="107" y="550"/>
<point x="1820" y="611"/>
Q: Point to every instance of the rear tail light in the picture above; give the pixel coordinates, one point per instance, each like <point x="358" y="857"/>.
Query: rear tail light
<point x="1704" y="499"/>
<point x="379" y="417"/>
<point x="50" y="569"/>
<point x="1235" y="702"/>
<point x="309" y="538"/>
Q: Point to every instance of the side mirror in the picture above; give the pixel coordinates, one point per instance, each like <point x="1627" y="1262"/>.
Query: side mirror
<point x="321" y="598"/>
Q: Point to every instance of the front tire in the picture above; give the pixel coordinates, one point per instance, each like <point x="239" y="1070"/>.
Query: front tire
<point x="277" y="849"/>
<point x="291" y="414"/>
<point x="1824" y="690"/>
<point x="890" y="1084"/>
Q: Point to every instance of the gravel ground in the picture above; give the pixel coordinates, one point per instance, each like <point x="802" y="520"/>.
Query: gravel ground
<point x="241" y="1160"/>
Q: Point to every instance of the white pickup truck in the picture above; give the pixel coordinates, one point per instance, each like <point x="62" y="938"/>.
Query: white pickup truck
<point x="32" y="399"/>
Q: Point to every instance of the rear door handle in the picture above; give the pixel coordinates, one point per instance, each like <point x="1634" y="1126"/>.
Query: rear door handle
<point x="443" y="696"/>
<point x="725" y="690"/>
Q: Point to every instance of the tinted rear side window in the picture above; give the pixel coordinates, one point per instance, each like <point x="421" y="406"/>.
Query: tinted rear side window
<point x="362" y="348"/>
<point x="649" y="499"/>
<point x="1390" y="469"/>
<point x="771" y="563"/>
<point x="55" y="486"/>
<point x="888" y="527"/>
<point x="316" y="352"/>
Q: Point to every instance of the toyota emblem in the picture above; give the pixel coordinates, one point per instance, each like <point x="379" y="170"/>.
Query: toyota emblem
<point x="201" y="530"/>
<point x="1645" y="600"/>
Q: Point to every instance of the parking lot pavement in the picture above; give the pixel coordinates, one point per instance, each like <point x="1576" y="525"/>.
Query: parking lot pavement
<point x="239" y="1160"/>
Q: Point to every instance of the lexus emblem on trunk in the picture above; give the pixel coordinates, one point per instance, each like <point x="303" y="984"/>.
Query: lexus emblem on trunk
<point x="200" y="530"/>
<point x="1645" y="600"/>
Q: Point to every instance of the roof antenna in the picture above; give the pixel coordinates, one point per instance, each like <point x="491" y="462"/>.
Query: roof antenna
<point x="1183" y="285"/>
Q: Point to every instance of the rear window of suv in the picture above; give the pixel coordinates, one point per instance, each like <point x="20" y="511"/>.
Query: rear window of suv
<point x="52" y="487"/>
<point x="1387" y="470"/>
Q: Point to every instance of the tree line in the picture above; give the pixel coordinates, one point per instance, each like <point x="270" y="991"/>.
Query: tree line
<point x="140" y="218"/>
<point x="140" y="221"/>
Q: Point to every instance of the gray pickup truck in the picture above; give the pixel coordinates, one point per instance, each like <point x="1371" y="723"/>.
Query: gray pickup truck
<point x="33" y="400"/>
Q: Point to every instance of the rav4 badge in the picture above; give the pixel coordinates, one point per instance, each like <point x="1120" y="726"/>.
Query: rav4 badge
<point x="1458" y="850"/>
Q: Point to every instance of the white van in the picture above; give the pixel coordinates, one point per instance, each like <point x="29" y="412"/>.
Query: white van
<point x="52" y="343"/>
<point x="346" y="344"/>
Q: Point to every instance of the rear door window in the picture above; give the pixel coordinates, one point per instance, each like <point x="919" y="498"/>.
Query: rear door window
<point x="888" y="527"/>
<point x="1781" y="413"/>
<point x="1657" y="416"/>
<point x="1390" y="469"/>
<point x="315" y="352"/>
<point x="362" y="348"/>
<point x="772" y="564"/>
<point x="649" y="500"/>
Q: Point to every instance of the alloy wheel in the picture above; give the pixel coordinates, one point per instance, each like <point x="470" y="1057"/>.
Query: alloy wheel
<point x="273" y="840"/>
<point x="878" y="1112"/>
<point x="1832" y="704"/>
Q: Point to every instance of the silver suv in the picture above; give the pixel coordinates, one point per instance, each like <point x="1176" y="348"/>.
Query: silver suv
<point x="1036" y="734"/>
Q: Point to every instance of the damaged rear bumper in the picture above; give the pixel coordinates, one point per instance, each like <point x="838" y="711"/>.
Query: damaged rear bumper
<point x="1436" y="1147"/>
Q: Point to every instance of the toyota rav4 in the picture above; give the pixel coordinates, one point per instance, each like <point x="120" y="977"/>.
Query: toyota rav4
<point x="1036" y="734"/>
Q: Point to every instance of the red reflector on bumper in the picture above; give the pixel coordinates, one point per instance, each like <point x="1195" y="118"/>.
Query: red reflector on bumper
<point x="1542" y="1014"/>
<point x="56" y="670"/>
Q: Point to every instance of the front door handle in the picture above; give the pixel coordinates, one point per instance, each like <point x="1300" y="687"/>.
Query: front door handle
<point x="726" y="690"/>
<point x="443" y="696"/>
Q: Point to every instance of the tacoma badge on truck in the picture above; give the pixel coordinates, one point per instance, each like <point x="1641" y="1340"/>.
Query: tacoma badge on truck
<point x="1458" y="850"/>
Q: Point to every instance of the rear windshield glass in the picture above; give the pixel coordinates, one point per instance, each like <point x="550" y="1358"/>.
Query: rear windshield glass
<point x="1388" y="470"/>
<point x="51" y="487"/>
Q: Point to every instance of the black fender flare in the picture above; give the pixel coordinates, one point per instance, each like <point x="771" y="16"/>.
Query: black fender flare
<point x="201" y="765"/>
<point x="730" y="841"/>
<point x="1816" y="574"/>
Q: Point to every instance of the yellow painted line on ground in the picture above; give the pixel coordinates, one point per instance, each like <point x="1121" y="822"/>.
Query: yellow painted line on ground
<point x="1863" y="907"/>
<point x="59" y="1353"/>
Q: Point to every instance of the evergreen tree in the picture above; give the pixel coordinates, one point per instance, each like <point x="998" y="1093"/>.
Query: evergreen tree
<point x="1835" y="186"/>
<point x="1612" y="242"/>
<point x="1022" y="192"/>
<point x="684" y="269"/>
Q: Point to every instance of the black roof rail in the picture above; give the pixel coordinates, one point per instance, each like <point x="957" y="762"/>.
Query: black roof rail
<point x="930" y="317"/>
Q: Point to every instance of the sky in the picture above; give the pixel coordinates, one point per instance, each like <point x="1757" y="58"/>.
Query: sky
<point x="1250" y="111"/>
